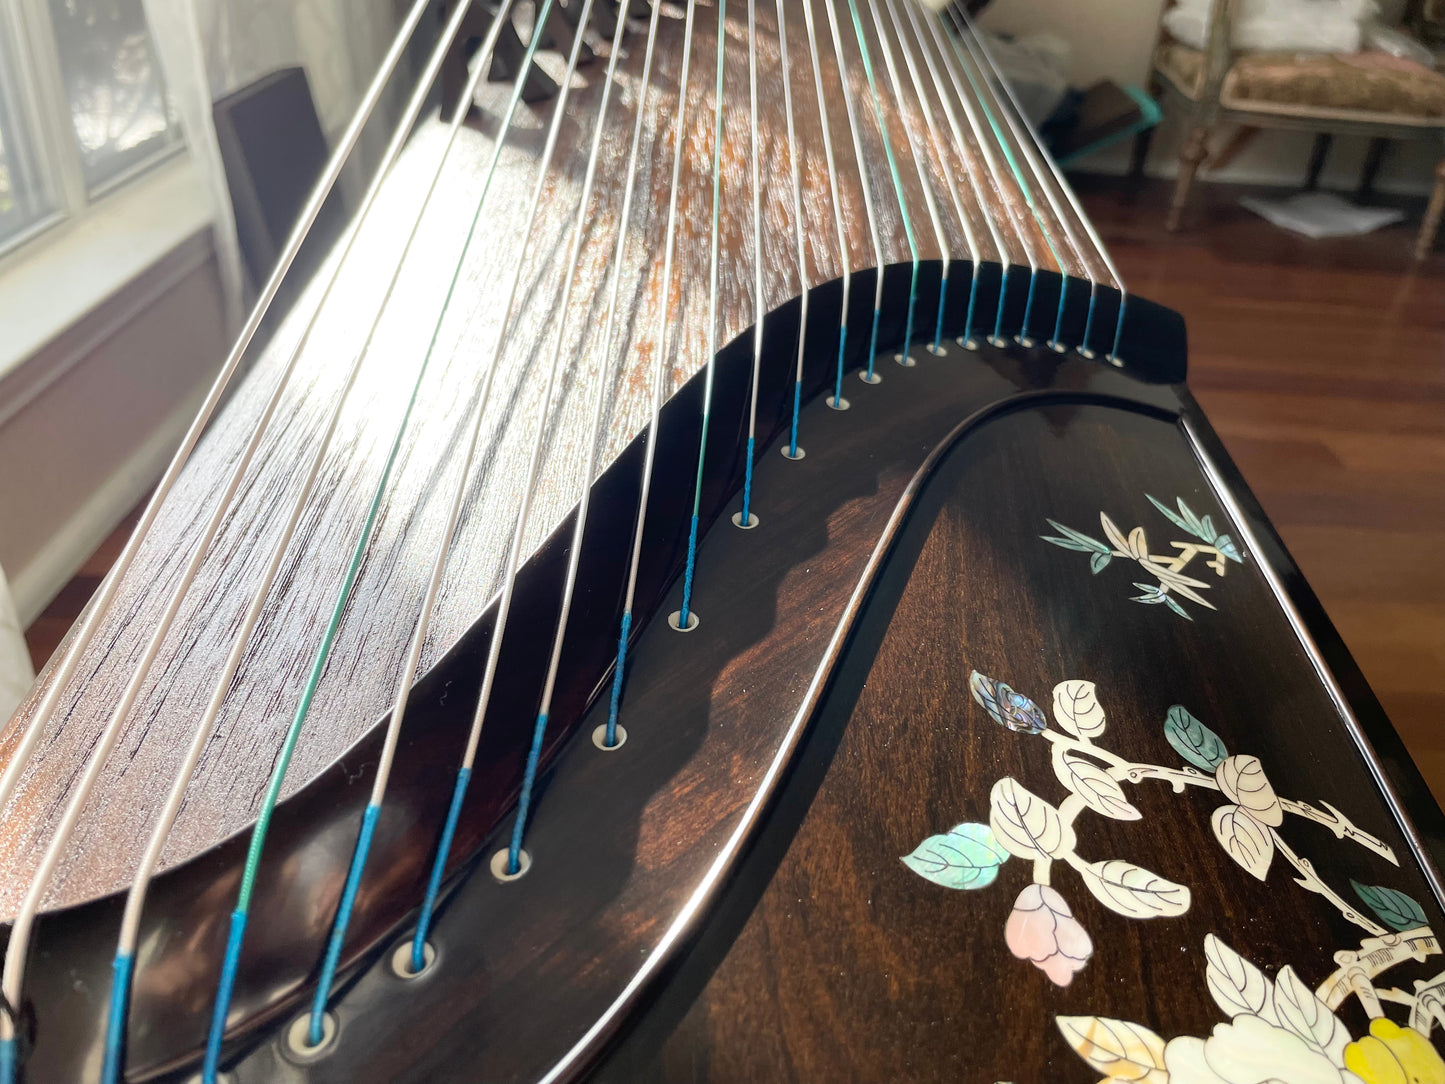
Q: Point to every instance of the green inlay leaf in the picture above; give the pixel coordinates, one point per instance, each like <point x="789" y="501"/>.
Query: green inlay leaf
<point x="1394" y="908"/>
<point x="1192" y="740"/>
<point x="966" y="857"/>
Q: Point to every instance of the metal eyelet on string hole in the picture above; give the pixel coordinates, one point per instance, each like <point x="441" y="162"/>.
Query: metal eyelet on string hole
<point x="502" y="859"/>
<point x="837" y="403"/>
<point x="869" y="379"/>
<point x="792" y="453"/>
<point x="752" y="521"/>
<point x="902" y="358"/>
<point x="1115" y="360"/>
<point x="1025" y="341"/>
<point x="998" y="341"/>
<point x="401" y="960"/>
<point x="938" y="350"/>
<point x="298" y="1046"/>
<point x="222" y="1077"/>
<point x="1085" y="352"/>
<point x="1058" y="347"/>
<point x="675" y="620"/>
<point x="599" y="738"/>
<point x="968" y="342"/>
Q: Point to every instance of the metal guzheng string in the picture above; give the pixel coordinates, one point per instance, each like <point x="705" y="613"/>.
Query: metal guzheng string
<point x="909" y="115"/>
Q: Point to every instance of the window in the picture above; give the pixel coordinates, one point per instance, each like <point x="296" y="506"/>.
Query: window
<point x="83" y="107"/>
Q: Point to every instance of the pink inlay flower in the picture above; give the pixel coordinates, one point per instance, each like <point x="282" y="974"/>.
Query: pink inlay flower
<point x="1043" y="930"/>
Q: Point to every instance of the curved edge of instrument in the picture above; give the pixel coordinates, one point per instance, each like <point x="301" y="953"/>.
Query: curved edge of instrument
<point x="632" y="1053"/>
<point x="185" y="924"/>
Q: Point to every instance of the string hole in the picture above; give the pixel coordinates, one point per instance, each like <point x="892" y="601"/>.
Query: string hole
<point x="599" y="739"/>
<point x="870" y="378"/>
<point x="1058" y="348"/>
<point x="997" y="340"/>
<point x="1115" y="360"/>
<point x="904" y="360"/>
<point x="300" y="1048"/>
<point x="1024" y="341"/>
<point x="1085" y="352"/>
<point x="675" y="620"/>
<point x="751" y="522"/>
<point x="501" y="861"/>
<point x="967" y="342"/>
<point x="837" y="402"/>
<point x="938" y="350"/>
<point x="402" y="960"/>
<point x="793" y="453"/>
<point x="222" y="1077"/>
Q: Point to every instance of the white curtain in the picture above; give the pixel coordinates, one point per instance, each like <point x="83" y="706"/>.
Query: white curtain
<point x="15" y="671"/>
<point x="209" y="48"/>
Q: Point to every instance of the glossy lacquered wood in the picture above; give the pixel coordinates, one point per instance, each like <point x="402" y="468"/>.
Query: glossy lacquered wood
<point x="357" y="685"/>
<point x="1319" y="363"/>
<point x="536" y="979"/>
<point x="851" y="967"/>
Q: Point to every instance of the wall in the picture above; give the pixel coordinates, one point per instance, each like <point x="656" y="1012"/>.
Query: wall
<point x="88" y="422"/>
<point x="1113" y="39"/>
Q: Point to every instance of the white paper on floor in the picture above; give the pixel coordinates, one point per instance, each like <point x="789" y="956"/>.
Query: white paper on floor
<point x="1321" y="214"/>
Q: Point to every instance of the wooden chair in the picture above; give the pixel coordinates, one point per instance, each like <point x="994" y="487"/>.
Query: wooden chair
<point x="1363" y="94"/>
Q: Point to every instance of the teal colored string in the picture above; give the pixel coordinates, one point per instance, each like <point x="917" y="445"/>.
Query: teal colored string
<point x="1059" y="319"/>
<point x="610" y="739"/>
<point x="707" y="379"/>
<point x="748" y="473"/>
<point x="123" y="967"/>
<point x="1118" y="327"/>
<point x="1029" y="305"/>
<point x="997" y="337"/>
<point x="211" y="1065"/>
<point x="524" y="803"/>
<point x="938" y="328"/>
<point x="873" y="338"/>
<point x="972" y="297"/>
<point x="9" y="1056"/>
<point x="797" y="406"/>
<point x="230" y="962"/>
<point x="912" y="302"/>
<point x="842" y="344"/>
<point x="343" y="920"/>
<point x="1089" y="324"/>
<point x="682" y="622"/>
<point x="373" y="810"/>
<point x="897" y="188"/>
<point x="439" y="863"/>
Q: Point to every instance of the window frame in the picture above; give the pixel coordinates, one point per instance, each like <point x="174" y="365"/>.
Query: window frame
<point x="41" y="104"/>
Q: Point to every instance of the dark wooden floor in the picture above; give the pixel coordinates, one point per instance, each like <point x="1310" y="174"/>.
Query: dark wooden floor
<point x="1322" y="365"/>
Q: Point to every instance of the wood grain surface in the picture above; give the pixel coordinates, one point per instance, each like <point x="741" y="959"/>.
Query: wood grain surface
<point x="851" y="967"/>
<point x="473" y="333"/>
<point x="1319" y="363"/>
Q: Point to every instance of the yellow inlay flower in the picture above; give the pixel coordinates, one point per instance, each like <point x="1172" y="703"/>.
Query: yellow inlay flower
<point x="1391" y="1054"/>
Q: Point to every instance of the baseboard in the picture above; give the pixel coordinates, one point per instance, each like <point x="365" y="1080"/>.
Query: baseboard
<point x="37" y="583"/>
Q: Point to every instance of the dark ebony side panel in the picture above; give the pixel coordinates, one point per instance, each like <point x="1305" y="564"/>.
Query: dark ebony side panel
<point x="852" y="967"/>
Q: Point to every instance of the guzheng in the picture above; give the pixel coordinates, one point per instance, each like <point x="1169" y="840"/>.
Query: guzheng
<point x="708" y="575"/>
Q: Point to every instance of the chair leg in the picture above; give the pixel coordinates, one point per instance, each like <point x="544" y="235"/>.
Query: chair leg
<point x="1318" y="153"/>
<point x="1191" y="155"/>
<point x="1373" y="157"/>
<point x="1140" y="154"/>
<point x="1433" y="213"/>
